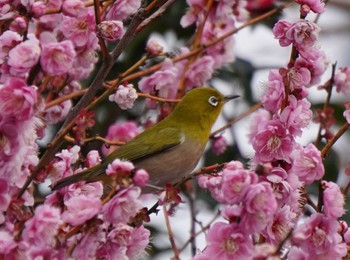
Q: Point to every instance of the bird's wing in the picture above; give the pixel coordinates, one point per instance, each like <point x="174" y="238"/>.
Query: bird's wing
<point x="145" y="145"/>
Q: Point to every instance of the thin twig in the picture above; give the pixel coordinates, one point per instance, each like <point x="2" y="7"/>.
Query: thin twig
<point x="335" y="138"/>
<point x="170" y="233"/>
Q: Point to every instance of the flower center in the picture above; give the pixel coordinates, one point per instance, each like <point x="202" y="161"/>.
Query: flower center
<point x="274" y="143"/>
<point x="229" y="245"/>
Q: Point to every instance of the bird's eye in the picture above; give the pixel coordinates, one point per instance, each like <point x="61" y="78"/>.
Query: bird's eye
<point x="214" y="101"/>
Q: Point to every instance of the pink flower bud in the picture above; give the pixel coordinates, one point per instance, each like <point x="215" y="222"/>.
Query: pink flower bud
<point x="153" y="47"/>
<point x="141" y="178"/>
<point x="111" y="30"/>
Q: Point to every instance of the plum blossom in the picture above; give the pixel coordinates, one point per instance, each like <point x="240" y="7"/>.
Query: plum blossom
<point x="333" y="200"/>
<point x="74" y="8"/>
<point x="297" y="115"/>
<point x="273" y="142"/>
<point x="275" y="94"/>
<point x="4" y="198"/>
<point x="58" y="113"/>
<point x="123" y="206"/>
<point x="141" y="178"/>
<point x="24" y="56"/>
<point x="18" y="100"/>
<point x="121" y="9"/>
<point x="200" y="71"/>
<point x="342" y="80"/>
<point x="235" y="184"/>
<point x="227" y="241"/>
<point x="259" y="207"/>
<point x="162" y="81"/>
<point x="111" y="30"/>
<point x="153" y="47"/>
<point x="81" y="30"/>
<point x="219" y="145"/>
<point x="57" y="58"/>
<point x="277" y="229"/>
<point x="121" y="132"/>
<point x="318" y="236"/>
<point x="279" y="30"/>
<point x="124" y="242"/>
<point x="7" y="242"/>
<point x="317" y="6"/>
<point x="80" y="209"/>
<point x="125" y="96"/>
<point x="119" y="167"/>
<point x="41" y="229"/>
<point x="307" y="164"/>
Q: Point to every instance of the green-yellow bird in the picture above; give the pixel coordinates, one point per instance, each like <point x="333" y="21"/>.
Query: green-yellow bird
<point x="170" y="149"/>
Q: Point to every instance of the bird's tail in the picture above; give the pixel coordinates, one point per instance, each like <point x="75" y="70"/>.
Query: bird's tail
<point x="88" y="175"/>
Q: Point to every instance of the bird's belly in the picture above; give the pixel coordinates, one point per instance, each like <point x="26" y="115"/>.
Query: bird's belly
<point x="172" y="165"/>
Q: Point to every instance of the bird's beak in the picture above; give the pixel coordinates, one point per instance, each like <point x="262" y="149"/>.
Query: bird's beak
<point x="228" y="98"/>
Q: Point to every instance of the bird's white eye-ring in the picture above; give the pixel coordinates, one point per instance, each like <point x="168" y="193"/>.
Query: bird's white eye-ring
<point x="214" y="101"/>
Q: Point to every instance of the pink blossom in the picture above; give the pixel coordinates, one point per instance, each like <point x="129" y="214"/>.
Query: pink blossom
<point x="200" y="71"/>
<point x="318" y="236"/>
<point x="307" y="164"/>
<point x="275" y="93"/>
<point x="141" y="178"/>
<point x="298" y="77"/>
<point x="194" y="14"/>
<point x="8" y="40"/>
<point x="303" y="33"/>
<point x="19" y="24"/>
<point x="235" y="184"/>
<point x="281" y="224"/>
<point x="58" y="113"/>
<point x="259" y="118"/>
<point x="273" y="142"/>
<point x="24" y="56"/>
<point x="67" y="157"/>
<point x="74" y="8"/>
<point x="124" y="242"/>
<point x="43" y="227"/>
<point x="333" y="200"/>
<point x="153" y="47"/>
<point x="219" y="145"/>
<point x="89" y="242"/>
<point x="259" y="207"/>
<point x="57" y="58"/>
<point x="111" y="30"/>
<point x="315" y="61"/>
<point x="279" y="30"/>
<point x="259" y="5"/>
<point x="121" y="9"/>
<point x="125" y="96"/>
<point x="317" y="6"/>
<point x="297" y="115"/>
<point x="346" y="113"/>
<point x="120" y="132"/>
<point x="227" y="241"/>
<point x="80" y="209"/>
<point x="118" y="167"/>
<point x="162" y="81"/>
<point x="79" y="30"/>
<point x="92" y="158"/>
<point x="123" y="206"/>
<point x="342" y="80"/>
<point x="18" y="100"/>
<point x="7" y="242"/>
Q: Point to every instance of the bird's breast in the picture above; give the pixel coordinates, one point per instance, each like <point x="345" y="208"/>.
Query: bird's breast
<point x="173" y="164"/>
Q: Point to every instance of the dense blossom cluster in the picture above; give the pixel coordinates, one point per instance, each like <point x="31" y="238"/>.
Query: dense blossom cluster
<point x="48" y="47"/>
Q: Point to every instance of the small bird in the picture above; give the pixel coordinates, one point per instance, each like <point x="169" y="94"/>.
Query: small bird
<point x="170" y="149"/>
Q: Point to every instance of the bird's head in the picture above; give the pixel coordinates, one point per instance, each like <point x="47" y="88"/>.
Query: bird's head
<point x="201" y="104"/>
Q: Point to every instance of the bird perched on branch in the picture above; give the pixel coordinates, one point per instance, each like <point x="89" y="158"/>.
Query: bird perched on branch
<point x="170" y="149"/>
